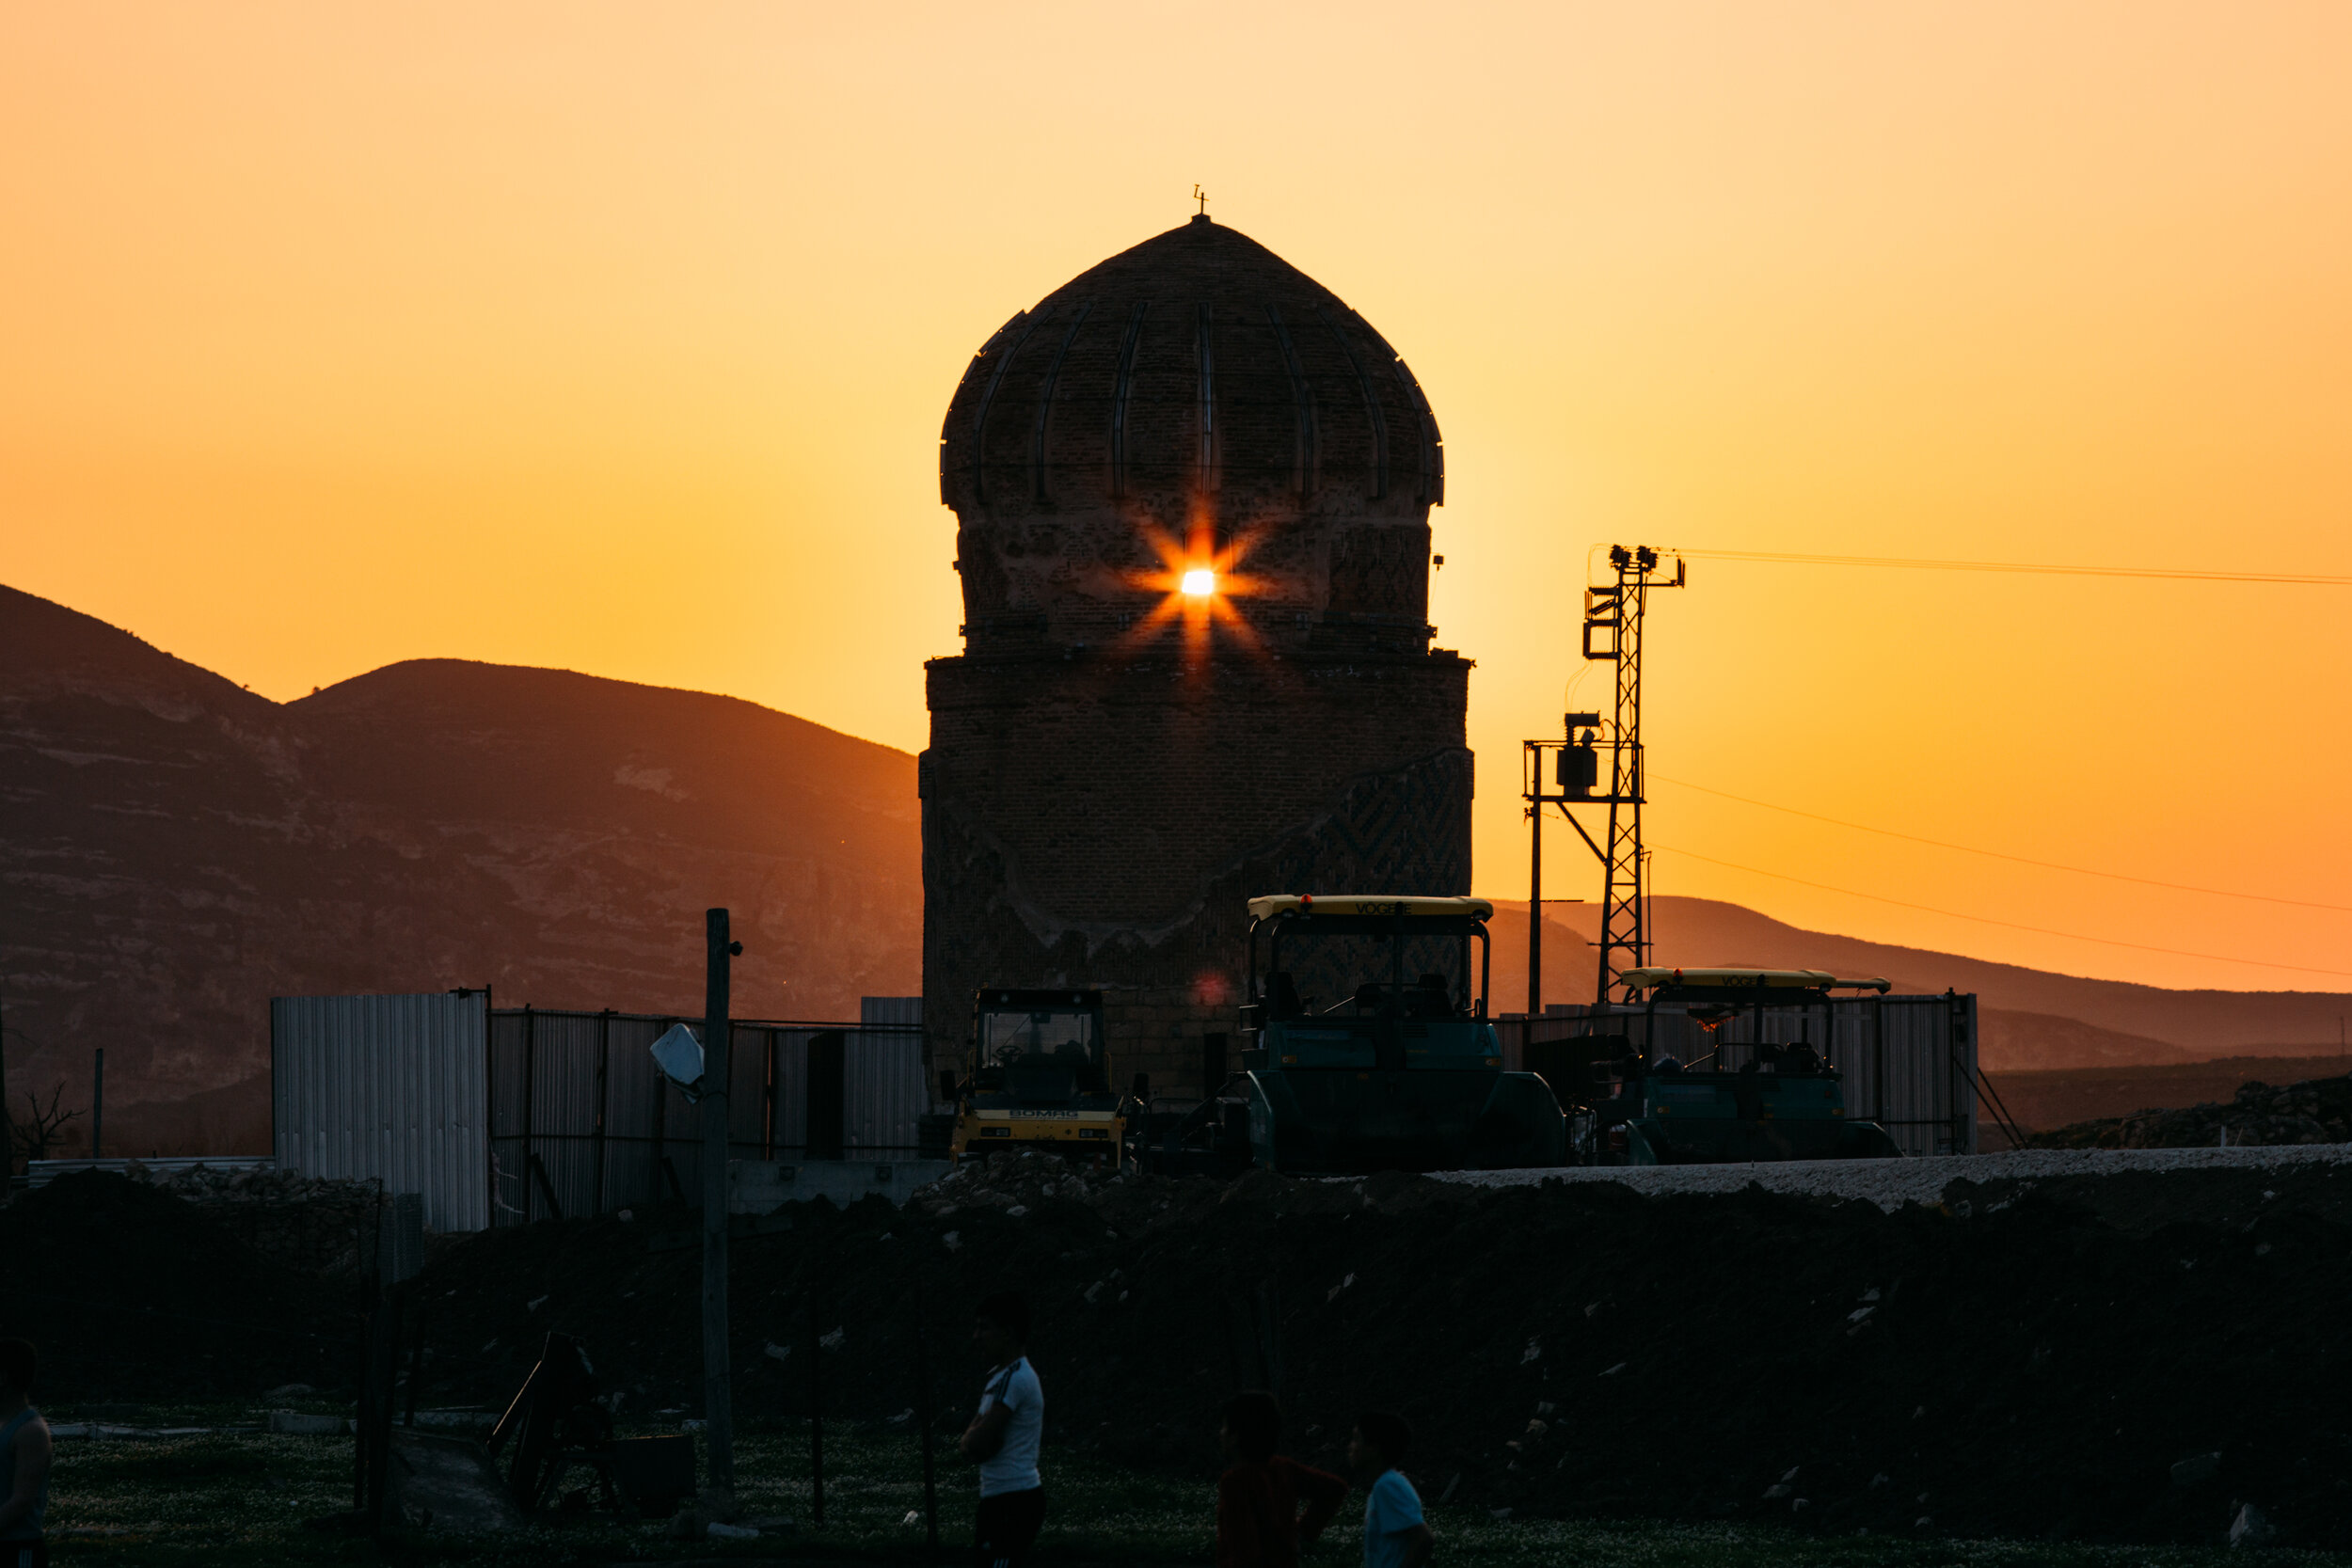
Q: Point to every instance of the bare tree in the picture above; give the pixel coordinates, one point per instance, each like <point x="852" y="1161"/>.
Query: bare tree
<point x="41" y="1127"/>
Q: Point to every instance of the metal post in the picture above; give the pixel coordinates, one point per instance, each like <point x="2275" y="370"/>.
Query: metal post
<point x="416" y="1367"/>
<point x="929" y="1417"/>
<point x="530" y="1060"/>
<point x="717" y="1403"/>
<point x="1952" y="1077"/>
<point x="8" y="1125"/>
<point x="489" y="1101"/>
<point x="768" y="1099"/>
<point x="816" y="1416"/>
<point x="1536" y="896"/>
<point x="375" y="1403"/>
<point x="660" y="1133"/>
<point x="1878" y="1055"/>
<point x="98" y="1106"/>
<point x="604" y="1098"/>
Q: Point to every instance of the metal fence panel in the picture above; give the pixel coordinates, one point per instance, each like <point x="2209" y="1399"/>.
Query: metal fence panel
<point x="582" y="1120"/>
<point x="584" y="1123"/>
<point x="390" y="1088"/>
<point x="886" y="1094"/>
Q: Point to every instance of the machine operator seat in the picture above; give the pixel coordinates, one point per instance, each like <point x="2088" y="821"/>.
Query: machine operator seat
<point x="1431" y="999"/>
<point x="1089" y="1077"/>
<point x="1283" y="996"/>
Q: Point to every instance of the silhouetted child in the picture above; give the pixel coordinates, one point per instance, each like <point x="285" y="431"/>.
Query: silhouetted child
<point x="1394" y="1536"/>
<point x="25" y="1454"/>
<point x="1269" y="1508"/>
<point x="1004" y="1436"/>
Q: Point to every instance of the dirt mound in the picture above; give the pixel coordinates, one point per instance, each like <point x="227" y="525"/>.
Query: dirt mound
<point x="2316" y="1111"/>
<point x="2044" y="1100"/>
<point x="132" y="1293"/>
<point x="2008" y="1366"/>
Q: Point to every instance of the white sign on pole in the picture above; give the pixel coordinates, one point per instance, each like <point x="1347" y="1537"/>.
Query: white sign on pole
<point x="679" y="1055"/>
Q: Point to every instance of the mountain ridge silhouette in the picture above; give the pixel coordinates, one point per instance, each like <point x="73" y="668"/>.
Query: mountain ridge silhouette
<point x="175" y="850"/>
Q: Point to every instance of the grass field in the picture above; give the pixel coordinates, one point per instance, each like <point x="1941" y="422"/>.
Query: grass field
<point x="242" y="1497"/>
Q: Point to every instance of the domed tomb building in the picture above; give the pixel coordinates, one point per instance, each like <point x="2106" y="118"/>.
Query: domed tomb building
<point x="1116" y="763"/>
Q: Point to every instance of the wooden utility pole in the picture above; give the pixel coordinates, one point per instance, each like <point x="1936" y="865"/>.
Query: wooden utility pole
<point x="718" y="1381"/>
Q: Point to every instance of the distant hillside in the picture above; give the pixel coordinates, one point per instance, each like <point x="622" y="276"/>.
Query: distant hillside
<point x="2043" y="1100"/>
<point x="174" y="850"/>
<point x="2030" y="1018"/>
<point x="1569" y="972"/>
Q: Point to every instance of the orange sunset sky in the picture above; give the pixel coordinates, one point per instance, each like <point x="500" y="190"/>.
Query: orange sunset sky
<point x="618" y="338"/>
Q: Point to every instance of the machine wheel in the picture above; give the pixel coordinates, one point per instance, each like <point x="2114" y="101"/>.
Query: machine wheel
<point x="1869" y="1141"/>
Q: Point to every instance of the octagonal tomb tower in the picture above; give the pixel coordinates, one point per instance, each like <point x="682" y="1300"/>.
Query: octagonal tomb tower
<point x="1115" y="764"/>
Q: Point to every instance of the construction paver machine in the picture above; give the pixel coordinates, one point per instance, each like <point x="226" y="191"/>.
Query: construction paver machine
<point x="1784" y="1100"/>
<point x="1367" y="1048"/>
<point x="1036" y="1076"/>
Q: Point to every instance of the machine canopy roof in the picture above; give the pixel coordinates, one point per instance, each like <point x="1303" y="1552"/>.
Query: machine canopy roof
<point x="1266" y="906"/>
<point x="1748" y="979"/>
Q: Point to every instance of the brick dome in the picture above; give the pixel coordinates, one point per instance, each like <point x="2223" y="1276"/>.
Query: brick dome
<point x="1198" y="390"/>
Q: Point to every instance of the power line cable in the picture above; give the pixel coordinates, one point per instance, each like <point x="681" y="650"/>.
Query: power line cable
<point x="2027" y="568"/>
<point x="1986" y="920"/>
<point x="2002" y="855"/>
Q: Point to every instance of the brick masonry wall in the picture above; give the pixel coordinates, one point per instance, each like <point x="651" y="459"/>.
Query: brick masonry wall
<point x="1103" y="823"/>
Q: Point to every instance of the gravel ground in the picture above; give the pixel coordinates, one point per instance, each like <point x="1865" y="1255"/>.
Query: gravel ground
<point x="1892" y="1183"/>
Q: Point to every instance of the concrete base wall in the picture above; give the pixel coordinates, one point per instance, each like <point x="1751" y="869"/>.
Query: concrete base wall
<point x="760" y="1186"/>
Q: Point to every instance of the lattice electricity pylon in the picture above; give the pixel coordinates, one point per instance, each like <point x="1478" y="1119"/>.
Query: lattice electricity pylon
<point x="1616" y="612"/>
<point x="1612" y="632"/>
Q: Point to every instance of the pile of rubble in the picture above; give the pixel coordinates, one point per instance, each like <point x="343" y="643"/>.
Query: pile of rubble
<point x="315" y="1226"/>
<point x="2317" y="1111"/>
<point x="229" y="1184"/>
<point x="131" y="1295"/>
<point x="1012" y="1182"/>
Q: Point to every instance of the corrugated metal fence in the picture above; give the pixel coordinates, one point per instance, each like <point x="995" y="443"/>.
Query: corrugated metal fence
<point x="389" y="1088"/>
<point x="1910" y="1061"/>
<point x="503" y="1117"/>
<point x="582" y="1122"/>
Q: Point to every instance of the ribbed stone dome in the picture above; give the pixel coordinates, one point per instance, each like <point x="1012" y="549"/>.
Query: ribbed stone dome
<point x="1201" y="392"/>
